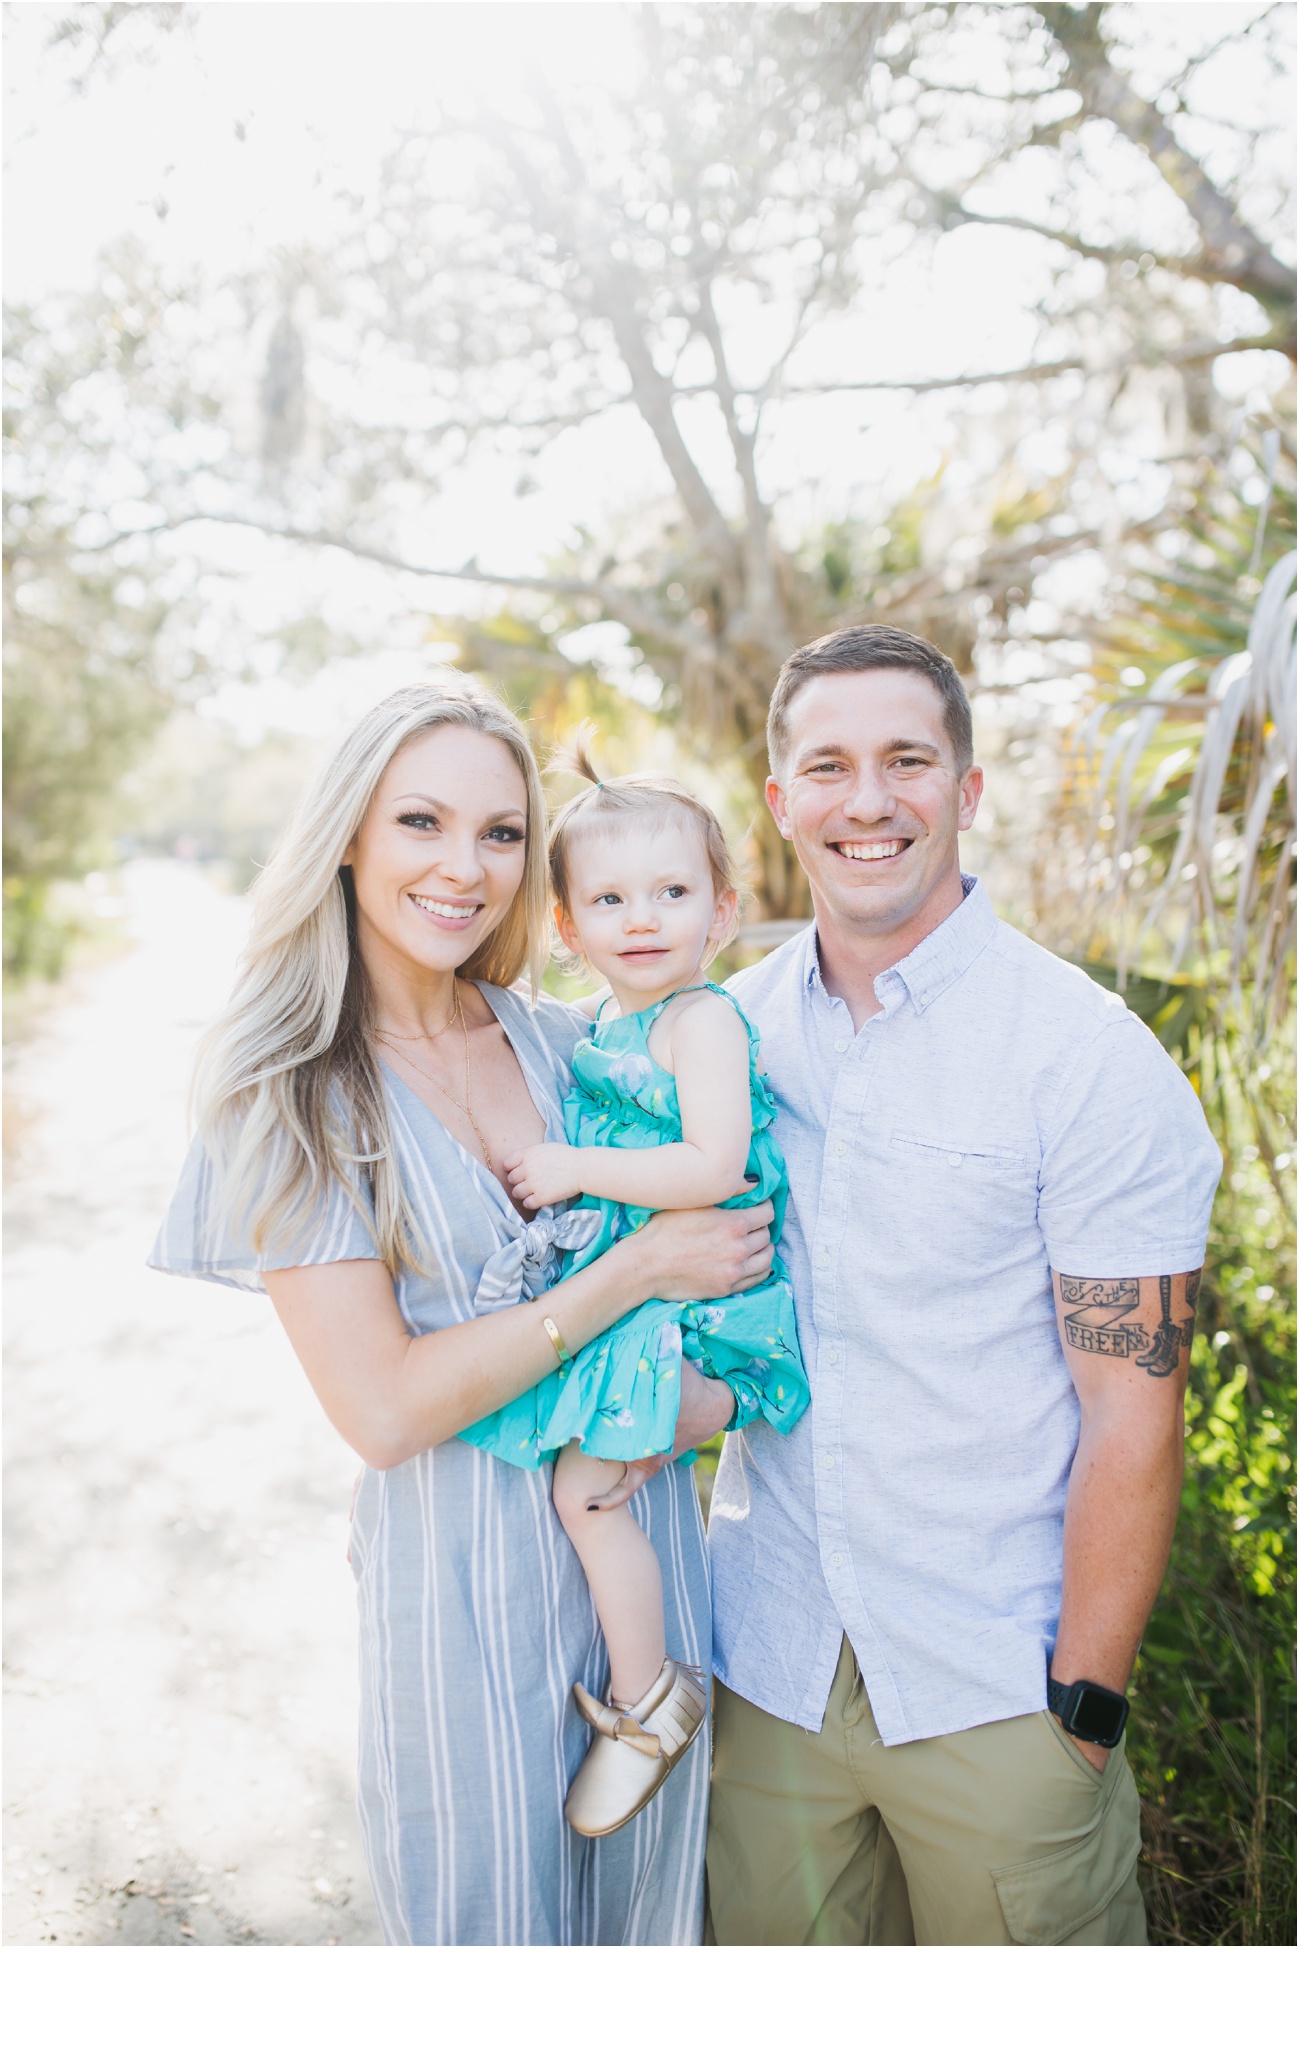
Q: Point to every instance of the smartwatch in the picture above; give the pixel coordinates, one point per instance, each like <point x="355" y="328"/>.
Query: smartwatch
<point x="1090" y="1712"/>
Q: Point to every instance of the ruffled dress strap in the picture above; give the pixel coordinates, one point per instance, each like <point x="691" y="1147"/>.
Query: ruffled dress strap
<point x="716" y="989"/>
<point x="655" y="1010"/>
<point x="764" y="1106"/>
<point x="651" y="1016"/>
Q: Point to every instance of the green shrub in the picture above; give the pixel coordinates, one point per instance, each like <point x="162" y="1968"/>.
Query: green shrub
<point x="1212" y="1730"/>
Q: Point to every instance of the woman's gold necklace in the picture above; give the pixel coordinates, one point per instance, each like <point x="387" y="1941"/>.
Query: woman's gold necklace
<point x="466" y="1107"/>
<point x="427" y="1037"/>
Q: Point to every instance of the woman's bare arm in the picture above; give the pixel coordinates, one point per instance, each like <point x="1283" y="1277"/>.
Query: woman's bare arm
<point x="391" y="1395"/>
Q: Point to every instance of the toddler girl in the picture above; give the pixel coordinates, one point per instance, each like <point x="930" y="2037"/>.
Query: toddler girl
<point x="669" y="1111"/>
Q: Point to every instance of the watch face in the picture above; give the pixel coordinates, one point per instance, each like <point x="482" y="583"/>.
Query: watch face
<point x="1097" y="1716"/>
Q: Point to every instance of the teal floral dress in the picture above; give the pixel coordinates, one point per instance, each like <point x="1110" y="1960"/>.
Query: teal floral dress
<point x="621" y="1394"/>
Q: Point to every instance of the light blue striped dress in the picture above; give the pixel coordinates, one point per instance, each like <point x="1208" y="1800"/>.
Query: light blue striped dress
<point x="475" y="1614"/>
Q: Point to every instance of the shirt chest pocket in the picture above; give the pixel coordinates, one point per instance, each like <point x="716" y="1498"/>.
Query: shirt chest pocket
<point x="981" y="1184"/>
<point x="948" y="1155"/>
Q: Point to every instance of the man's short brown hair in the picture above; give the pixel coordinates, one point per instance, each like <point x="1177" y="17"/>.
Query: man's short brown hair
<point x="851" y="652"/>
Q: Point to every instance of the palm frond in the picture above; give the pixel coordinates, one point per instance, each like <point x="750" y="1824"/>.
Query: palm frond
<point x="1192" y="793"/>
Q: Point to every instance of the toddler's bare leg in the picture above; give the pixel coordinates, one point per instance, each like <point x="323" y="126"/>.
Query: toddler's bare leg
<point x="621" y="1570"/>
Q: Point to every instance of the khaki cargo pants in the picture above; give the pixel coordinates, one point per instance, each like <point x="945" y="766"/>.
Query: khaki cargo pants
<point x="1001" y="1835"/>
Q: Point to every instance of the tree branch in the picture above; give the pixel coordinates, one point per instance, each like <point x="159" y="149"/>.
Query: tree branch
<point x="613" y="288"/>
<point x="1232" y="253"/>
<point x="761" y="590"/>
<point x="1196" y="352"/>
<point x="771" y="382"/>
<point x="632" y="608"/>
<point x="1198" y="266"/>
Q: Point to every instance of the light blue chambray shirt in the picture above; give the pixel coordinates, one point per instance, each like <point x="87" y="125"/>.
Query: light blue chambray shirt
<point x="1001" y="1116"/>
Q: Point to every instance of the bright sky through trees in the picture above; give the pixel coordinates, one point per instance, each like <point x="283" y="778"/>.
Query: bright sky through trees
<point x="244" y="129"/>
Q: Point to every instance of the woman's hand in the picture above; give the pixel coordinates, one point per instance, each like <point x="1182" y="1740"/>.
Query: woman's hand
<point x="542" y="1174"/>
<point x="706" y="1407"/>
<point x="703" y="1254"/>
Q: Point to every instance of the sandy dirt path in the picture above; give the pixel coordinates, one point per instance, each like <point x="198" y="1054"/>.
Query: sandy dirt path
<point x="180" y="1617"/>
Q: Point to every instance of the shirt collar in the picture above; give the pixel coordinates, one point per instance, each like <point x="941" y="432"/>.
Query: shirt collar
<point x="936" y="962"/>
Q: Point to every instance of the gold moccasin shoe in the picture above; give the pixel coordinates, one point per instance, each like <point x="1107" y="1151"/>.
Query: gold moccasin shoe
<point x="631" y="1753"/>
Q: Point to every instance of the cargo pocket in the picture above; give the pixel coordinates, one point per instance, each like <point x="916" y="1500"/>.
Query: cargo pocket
<point x="1047" y="1900"/>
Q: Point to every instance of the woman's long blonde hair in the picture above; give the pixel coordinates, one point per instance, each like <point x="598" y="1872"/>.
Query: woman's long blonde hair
<point x="288" y="1094"/>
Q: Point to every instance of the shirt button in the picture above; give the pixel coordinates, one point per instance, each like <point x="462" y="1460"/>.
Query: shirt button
<point x="840" y="1149"/>
<point x="823" y="1258"/>
<point x="832" y="1355"/>
<point x="954" y="1159"/>
<point x="841" y="1045"/>
<point x="836" y="1560"/>
<point x="828" y="1461"/>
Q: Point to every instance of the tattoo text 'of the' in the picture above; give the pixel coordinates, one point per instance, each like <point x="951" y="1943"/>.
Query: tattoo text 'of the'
<point x="1132" y="1319"/>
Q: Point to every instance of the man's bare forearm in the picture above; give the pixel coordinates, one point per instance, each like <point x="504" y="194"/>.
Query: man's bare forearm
<point x="1127" y="1343"/>
<point x="1118" y="1530"/>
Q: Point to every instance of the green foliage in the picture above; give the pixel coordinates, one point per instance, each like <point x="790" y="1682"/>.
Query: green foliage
<point x="200" y="787"/>
<point x="1186" y="757"/>
<point x="1212" y="1730"/>
<point x="1198" y="602"/>
<point x="1212" y="1735"/>
<point x="83" y="685"/>
<point x="81" y="701"/>
<point x="523" y="655"/>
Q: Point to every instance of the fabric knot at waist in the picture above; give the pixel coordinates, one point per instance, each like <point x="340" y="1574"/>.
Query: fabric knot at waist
<point x="529" y="1263"/>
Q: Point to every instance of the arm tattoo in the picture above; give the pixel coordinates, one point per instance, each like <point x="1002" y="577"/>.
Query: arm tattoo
<point x="1099" y="1317"/>
<point x="1101" y="1293"/>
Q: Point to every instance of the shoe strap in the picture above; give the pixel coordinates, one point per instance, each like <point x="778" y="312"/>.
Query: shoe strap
<point x="620" y="1727"/>
<point x="627" y="1729"/>
<point x="617" y="1725"/>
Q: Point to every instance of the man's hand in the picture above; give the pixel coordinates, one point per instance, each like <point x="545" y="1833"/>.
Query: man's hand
<point x="706" y="1407"/>
<point x="1095" y="1755"/>
<point x="542" y="1174"/>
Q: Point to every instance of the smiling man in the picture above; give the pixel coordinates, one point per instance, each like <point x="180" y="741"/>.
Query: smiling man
<point x="928" y="1598"/>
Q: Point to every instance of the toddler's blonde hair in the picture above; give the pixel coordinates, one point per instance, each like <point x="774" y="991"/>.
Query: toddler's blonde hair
<point x="630" y="799"/>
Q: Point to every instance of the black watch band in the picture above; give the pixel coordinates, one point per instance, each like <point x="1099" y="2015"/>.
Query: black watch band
<point x="1090" y="1712"/>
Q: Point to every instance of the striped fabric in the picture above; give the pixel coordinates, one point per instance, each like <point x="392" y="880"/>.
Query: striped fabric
<point x="475" y="1614"/>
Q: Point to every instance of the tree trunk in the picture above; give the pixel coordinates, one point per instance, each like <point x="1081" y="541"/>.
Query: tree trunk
<point x="779" y="881"/>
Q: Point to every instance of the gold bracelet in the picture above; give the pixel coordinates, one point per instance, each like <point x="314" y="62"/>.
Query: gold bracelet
<point x="551" y="1329"/>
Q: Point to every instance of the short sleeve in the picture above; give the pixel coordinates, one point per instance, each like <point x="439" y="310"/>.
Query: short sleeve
<point x="1129" y="1167"/>
<point x="562" y="1027"/>
<point x="199" y="1238"/>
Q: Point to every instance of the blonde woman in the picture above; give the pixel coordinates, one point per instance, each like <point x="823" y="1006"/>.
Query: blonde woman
<point x="356" y="1103"/>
